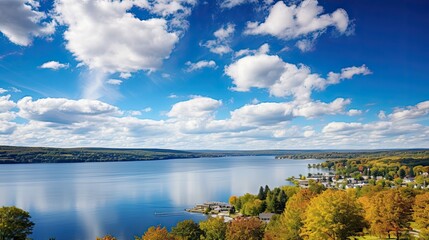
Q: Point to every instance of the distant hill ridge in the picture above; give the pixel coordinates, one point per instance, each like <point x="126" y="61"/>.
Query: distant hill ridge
<point x="18" y="154"/>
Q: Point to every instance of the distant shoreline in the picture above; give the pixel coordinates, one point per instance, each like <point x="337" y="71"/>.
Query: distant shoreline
<point x="26" y="155"/>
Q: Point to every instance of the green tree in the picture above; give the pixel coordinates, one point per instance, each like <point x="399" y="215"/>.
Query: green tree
<point x="333" y="215"/>
<point x="421" y="214"/>
<point x="15" y="223"/>
<point x="214" y="229"/>
<point x="157" y="233"/>
<point x="253" y="208"/>
<point x="402" y="173"/>
<point x="245" y="229"/>
<point x="261" y="194"/>
<point x="187" y="230"/>
<point x="291" y="221"/>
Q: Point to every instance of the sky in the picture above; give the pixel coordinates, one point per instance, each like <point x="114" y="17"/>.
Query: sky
<point x="217" y="74"/>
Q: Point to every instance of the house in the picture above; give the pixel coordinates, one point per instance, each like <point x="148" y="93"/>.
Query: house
<point x="266" y="217"/>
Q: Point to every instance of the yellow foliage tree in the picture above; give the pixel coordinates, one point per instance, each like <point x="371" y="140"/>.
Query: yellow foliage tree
<point x="421" y="214"/>
<point x="333" y="215"/>
<point x="389" y="211"/>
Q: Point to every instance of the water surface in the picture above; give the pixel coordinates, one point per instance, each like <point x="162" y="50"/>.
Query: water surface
<point x="84" y="200"/>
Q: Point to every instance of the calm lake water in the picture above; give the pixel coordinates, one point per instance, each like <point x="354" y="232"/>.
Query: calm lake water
<point x="84" y="200"/>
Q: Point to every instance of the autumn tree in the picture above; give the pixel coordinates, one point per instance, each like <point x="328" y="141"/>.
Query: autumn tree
<point x="291" y="221"/>
<point x="389" y="210"/>
<point x="333" y="215"/>
<point x="107" y="237"/>
<point x="421" y="214"/>
<point x="186" y="230"/>
<point x="245" y="229"/>
<point x="213" y="229"/>
<point x="15" y="223"/>
<point x="156" y="233"/>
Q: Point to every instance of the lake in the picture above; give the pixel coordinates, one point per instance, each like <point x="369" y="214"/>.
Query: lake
<point x="85" y="200"/>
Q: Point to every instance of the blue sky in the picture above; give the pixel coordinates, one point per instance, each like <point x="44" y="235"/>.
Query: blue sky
<point x="234" y="74"/>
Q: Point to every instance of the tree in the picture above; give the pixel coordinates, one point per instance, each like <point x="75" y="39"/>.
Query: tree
<point x="421" y="214"/>
<point x="245" y="229"/>
<point x="187" y="230"/>
<point x="390" y="210"/>
<point x="15" y="223"/>
<point x="333" y="215"/>
<point x="107" y="237"/>
<point x="261" y="194"/>
<point x="157" y="233"/>
<point x="291" y="221"/>
<point x="214" y="229"/>
<point x="402" y="173"/>
<point x="253" y="208"/>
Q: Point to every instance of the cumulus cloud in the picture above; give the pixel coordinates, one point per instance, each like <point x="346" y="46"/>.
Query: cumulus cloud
<point x="263" y="49"/>
<point x="354" y="112"/>
<point x="197" y="107"/>
<point x="200" y="64"/>
<point x="220" y="45"/>
<point x="64" y="111"/>
<point x="6" y="104"/>
<point x="2" y="90"/>
<point x="20" y="21"/>
<point x="283" y="79"/>
<point x="305" y="20"/>
<point x="411" y="112"/>
<point x="126" y="44"/>
<point x="260" y="71"/>
<point x="114" y="82"/>
<point x="54" y="65"/>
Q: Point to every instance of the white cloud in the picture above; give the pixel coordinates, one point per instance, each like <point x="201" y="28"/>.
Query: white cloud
<point x="148" y="109"/>
<point x="197" y="107"/>
<point x="354" y="112"/>
<point x="305" y="45"/>
<point x="193" y="124"/>
<point x="283" y="79"/>
<point x="6" y="104"/>
<point x="114" y="82"/>
<point x="233" y="3"/>
<point x="54" y="65"/>
<point x="200" y="64"/>
<point x="260" y="71"/>
<point x="2" y="90"/>
<point x="382" y="115"/>
<point x="125" y="75"/>
<point x="111" y="47"/>
<point x="299" y="21"/>
<point x="341" y="127"/>
<point x="265" y="48"/>
<point x="220" y="45"/>
<point x="64" y="111"/>
<point x="411" y="112"/>
<point x="20" y="21"/>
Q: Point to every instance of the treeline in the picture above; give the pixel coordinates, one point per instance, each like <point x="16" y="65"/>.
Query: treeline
<point x="308" y="214"/>
<point x="410" y="154"/>
<point x="10" y="154"/>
